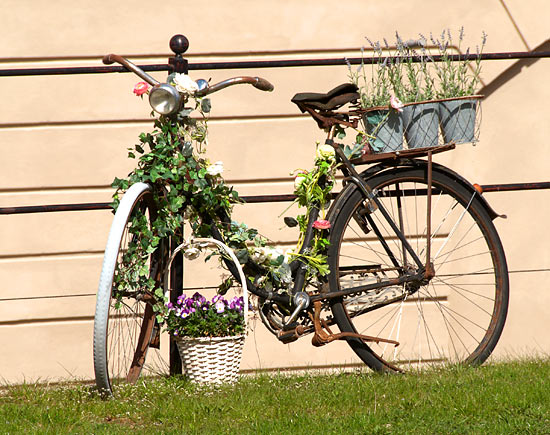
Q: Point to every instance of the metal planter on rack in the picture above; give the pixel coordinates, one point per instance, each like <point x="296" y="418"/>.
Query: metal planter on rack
<point x="458" y="119"/>
<point x="385" y="128"/>
<point x="421" y="124"/>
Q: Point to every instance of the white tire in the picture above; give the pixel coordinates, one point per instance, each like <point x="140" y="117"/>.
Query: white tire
<point x="121" y="343"/>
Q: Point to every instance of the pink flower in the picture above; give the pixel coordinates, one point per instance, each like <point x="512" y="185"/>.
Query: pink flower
<point x="141" y="88"/>
<point x="396" y="103"/>
<point x="321" y="224"/>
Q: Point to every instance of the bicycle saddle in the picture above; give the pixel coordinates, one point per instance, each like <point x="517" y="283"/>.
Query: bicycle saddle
<point x="332" y="100"/>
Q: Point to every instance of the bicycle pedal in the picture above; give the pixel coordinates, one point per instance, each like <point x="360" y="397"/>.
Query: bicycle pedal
<point x="291" y="335"/>
<point x="287" y="337"/>
<point x="290" y="327"/>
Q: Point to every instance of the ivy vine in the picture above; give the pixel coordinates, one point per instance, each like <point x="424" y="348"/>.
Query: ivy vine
<point x="188" y="187"/>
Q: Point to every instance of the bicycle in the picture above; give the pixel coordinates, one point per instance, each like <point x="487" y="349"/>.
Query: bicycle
<point x="416" y="270"/>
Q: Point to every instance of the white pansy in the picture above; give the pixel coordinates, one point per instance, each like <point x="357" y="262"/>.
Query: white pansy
<point x="325" y="152"/>
<point x="185" y="84"/>
<point x="215" y="169"/>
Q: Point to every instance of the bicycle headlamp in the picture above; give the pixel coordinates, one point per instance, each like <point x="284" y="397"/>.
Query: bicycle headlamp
<point x="164" y="99"/>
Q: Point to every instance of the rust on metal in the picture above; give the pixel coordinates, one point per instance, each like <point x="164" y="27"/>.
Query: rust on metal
<point x="408" y="154"/>
<point x="429" y="220"/>
<point x="323" y="335"/>
<point x="478" y="188"/>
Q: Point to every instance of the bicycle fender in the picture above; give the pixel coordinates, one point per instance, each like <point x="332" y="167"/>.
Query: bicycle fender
<point x="412" y="163"/>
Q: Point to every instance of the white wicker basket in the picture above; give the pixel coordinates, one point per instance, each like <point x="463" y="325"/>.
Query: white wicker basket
<point x="213" y="360"/>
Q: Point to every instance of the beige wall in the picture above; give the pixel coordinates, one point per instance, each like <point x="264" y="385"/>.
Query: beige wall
<point x="64" y="138"/>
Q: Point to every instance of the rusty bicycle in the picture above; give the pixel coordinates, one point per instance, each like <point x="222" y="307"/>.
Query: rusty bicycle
<point x="416" y="271"/>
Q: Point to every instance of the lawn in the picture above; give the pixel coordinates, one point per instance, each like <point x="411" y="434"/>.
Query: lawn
<point x="510" y="397"/>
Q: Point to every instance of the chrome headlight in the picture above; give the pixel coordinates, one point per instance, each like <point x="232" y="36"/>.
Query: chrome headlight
<point x="164" y="99"/>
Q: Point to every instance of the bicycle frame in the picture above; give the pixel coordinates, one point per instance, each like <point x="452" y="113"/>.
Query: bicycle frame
<point x="298" y="268"/>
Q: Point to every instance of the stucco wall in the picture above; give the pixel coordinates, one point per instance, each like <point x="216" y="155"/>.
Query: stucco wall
<point x="64" y="138"/>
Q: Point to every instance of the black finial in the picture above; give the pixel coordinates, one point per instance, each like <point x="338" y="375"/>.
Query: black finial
<point x="179" y="44"/>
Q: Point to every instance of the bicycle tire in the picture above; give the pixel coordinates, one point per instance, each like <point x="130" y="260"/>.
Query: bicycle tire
<point x="459" y="315"/>
<point x="122" y="334"/>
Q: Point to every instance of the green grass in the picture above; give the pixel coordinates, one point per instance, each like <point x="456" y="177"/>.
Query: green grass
<point x="512" y="397"/>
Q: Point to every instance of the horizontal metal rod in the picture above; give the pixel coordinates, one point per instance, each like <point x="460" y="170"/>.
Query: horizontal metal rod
<point x="269" y="63"/>
<point x="359" y="60"/>
<point x="515" y="187"/>
<point x="77" y="70"/>
<point x="54" y="208"/>
<point x="254" y="199"/>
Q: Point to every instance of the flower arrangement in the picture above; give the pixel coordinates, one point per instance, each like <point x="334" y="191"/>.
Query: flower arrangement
<point x="399" y="92"/>
<point x="313" y="189"/>
<point x="409" y="73"/>
<point x="196" y="316"/>
<point x="187" y="184"/>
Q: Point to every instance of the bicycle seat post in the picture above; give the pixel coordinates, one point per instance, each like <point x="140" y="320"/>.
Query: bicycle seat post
<point x="179" y="45"/>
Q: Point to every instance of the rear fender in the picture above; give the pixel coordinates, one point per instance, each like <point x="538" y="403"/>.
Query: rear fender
<point x="410" y="163"/>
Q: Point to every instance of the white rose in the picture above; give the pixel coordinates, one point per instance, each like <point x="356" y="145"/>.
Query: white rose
<point x="299" y="179"/>
<point x="325" y="152"/>
<point x="191" y="253"/>
<point x="215" y="169"/>
<point x="272" y="253"/>
<point x="185" y="84"/>
<point x="258" y="256"/>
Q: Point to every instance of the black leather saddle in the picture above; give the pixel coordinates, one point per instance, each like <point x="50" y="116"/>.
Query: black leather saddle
<point x="332" y="100"/>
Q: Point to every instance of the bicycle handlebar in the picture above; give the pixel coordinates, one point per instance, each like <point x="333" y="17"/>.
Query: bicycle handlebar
<point x="257" y="82"/>
<point x="112" y="58"/>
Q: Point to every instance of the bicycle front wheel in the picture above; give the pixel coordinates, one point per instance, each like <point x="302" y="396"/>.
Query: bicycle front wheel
<point x="458" y="315"/>
<point x="124" y="323"/>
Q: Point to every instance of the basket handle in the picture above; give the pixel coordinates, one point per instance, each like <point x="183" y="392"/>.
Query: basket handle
<point x="231" y="254"/>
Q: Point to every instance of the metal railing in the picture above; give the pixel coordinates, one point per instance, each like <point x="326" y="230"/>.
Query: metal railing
<point x="177" y="63"/>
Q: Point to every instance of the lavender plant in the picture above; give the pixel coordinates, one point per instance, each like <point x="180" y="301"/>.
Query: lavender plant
<point x="374" y="88"/>
<point x="457" y="77"/>
<point x="407" y="70"/>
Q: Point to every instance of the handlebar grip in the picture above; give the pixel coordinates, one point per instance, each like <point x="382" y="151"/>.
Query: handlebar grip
<point x="107" y="59"/>
<point x="263" y="84"/>
<point x="112" y="58"/>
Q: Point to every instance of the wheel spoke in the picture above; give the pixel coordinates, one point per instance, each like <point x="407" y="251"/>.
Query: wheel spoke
<point x="459" y="314"/>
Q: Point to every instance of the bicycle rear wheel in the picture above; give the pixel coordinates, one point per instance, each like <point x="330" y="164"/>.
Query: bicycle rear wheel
<point x="124" y="323"/>
<point x="456" y="317"/>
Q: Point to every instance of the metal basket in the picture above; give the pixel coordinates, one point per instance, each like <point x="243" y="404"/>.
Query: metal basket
<point x="424" y="124"/>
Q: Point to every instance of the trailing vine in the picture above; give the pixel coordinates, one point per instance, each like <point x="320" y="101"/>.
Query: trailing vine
<point x="188" y="187"/>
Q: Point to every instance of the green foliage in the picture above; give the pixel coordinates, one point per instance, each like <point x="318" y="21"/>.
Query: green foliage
<point x="184" y="184"/>
<point x="313" y="190"/>
<point x="187" y="187"/>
